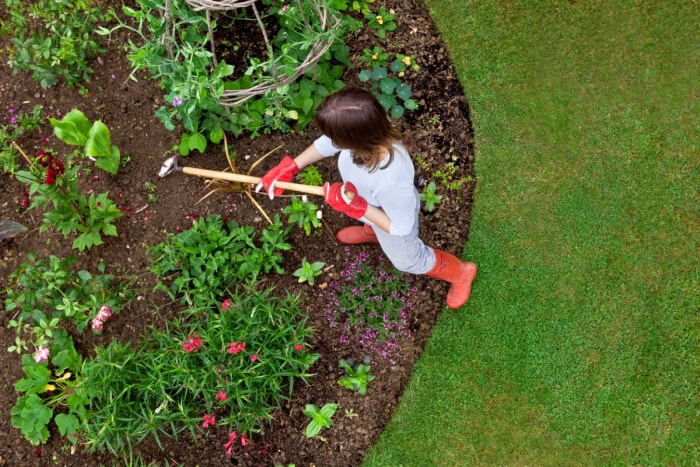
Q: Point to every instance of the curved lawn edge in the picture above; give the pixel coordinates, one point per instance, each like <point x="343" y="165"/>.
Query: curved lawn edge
<point x="578" y="344"/>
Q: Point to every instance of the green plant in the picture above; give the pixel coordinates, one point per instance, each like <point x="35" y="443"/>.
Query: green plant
<point x="394" y="95"/>
<point x="375" y="57"/>
<point x="75" y="129"/>
<point x="201" y="263"/>
<point x="48" y="387"/>
<point x="196" y="83"/>
<point x="43" y="294"/>
<point x="230" y="366"/>
<point x="53" y="38"/>
<point x="356" y="375"/>
<point x="429" y="197"/>
<point x="382" y="22"/>
<point x="53" y="186"/>
<point x="320" y="418"/>
<point x="310" y="176"/>
<point x="446" y="177"/>
<point x="304" y="213"/>
<point x="152" y="196"/>
<point x="369" y="304"/>
<point x="13" y="126"/>
<point x="309" y="271"/>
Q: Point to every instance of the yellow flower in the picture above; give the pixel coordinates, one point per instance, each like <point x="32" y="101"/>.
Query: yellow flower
<point x="380" y="20"/>
<point x="49" y="387"/>
<point x="407" y="61"/>
<point x="375" y="56"/>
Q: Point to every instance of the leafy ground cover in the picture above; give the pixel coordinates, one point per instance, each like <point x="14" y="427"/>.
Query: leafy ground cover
<point x="152" y="255"/>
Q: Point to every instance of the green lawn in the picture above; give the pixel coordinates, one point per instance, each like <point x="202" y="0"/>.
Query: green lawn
<point x="581" y="343"/>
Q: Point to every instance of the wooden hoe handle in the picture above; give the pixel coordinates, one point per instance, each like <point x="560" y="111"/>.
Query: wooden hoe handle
<point x="308" y="189"/>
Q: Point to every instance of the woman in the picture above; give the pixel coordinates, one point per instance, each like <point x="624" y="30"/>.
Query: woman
<point x="378" y="189"/>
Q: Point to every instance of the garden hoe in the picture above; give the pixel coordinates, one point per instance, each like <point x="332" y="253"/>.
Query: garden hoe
<point x="171" y="165"/>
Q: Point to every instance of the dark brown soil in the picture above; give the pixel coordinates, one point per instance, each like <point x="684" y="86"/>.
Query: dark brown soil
<point x="438" y="132"/>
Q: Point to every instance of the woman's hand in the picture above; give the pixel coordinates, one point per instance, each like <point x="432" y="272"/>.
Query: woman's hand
<point x="284" y="171"/>
<point x="343" y="198"/>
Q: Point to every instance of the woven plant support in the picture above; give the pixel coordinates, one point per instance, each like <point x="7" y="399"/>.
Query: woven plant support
<point x="237" y="97"/>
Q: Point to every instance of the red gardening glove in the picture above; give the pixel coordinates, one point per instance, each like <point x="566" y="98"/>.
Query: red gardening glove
<point x="343" y="198"/>
<point x="284" y="171"/>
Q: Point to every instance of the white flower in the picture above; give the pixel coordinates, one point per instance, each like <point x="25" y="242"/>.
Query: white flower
<point x="41" y="354"/>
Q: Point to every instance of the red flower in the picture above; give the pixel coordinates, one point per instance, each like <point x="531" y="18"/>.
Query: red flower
<point x="298" y="347"/>
<point x="226" y="304"/>
<point x="192" y="344"/>
<point x="235" y="347"/>
<point x="254" y="357"/>
<point x="221" y="395"/>
<point x="229" y="445"/>
<point x="244" y="440"/>
<point x="209" y="420"/>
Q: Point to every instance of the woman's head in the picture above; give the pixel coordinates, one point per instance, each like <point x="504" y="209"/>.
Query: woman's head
<point x="354" y="119"/>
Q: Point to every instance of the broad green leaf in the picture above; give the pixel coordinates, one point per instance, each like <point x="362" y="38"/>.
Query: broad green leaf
<point x="73" y="128"/>
<point x="197" y="141"/>
<point x="68" y="424"/>
<point x="109" y="163"/>
<point x="98" y="143"/>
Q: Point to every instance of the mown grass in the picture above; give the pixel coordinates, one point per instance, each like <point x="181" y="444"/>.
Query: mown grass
<point x="581" y="343"/>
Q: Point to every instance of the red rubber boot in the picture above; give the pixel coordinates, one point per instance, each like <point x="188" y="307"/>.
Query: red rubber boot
<point x="450" y="269"/>
<point x="356" y="235"/>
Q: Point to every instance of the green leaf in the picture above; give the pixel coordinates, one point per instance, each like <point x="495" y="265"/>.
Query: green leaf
<point x="31" y="416"/>
<point x="403" y="91"/>
<point x="98" y="143"/>
<point x="73" y="128"/>
<point x="197" y="141"/>
<point x="36" y="380"/>
<point x="397" y="111"/>
<point x="68" y="424"/>
<point x="364" y="76"/>
<point x="379" y="74"/>
<point x="110" y="163"/>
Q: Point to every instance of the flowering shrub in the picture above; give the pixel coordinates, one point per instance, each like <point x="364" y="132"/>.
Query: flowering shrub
<point x="207" y="368"/>
<point x="42" y="294"/>
<point x="53" y="187"/>
<point x="370" y="305"/>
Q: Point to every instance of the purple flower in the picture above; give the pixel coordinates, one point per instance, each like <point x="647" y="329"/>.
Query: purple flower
<point x="176" y="101"/>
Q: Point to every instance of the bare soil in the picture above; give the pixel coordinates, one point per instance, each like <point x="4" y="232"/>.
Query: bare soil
<point x="438" y="133"/>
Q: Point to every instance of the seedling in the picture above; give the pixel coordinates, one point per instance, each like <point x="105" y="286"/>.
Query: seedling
<point x="320" y="418"/>
<point x="308" y="271"/>
<point x="429" y="197"/>
<point x="356" y="376"/>
<point x="302" y="213"/>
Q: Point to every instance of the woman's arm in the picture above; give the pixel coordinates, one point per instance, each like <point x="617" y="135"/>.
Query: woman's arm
<point x="308" y="156"/>
<point x="378" y="217"/>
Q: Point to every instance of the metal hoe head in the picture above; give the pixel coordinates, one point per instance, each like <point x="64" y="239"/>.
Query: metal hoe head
<point x="169" y="166"/>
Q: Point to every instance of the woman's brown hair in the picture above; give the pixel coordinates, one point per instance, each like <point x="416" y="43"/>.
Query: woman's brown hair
<point x="354" y="119"/>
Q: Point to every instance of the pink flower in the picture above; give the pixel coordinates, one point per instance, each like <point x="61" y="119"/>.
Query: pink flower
<point x="229" y="445"/>
<point x="225" y="305"/>
<point x="41" y="354"/>
<point x="235" y="347"/>
<point x="192" y="344"/>
<point x="254" y="357"/>
<point x="244" y="440"/>
<point x="209" y="420"/>
<point x="298" y="347"/>
<point x="221" y="396"/>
